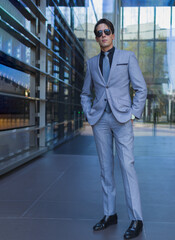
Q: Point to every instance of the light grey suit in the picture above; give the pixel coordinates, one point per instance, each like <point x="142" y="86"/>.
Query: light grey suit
<point x="116" y="91"/>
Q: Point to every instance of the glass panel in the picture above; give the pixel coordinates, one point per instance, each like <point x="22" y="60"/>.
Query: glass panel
<point x="121" y="26"/>
<point x="146" y="22"/>
<point x="50" y="15"/>
<point x="170" y="54"/>
<point x="9" y="7"/>
<point x="161" y="66"/>
<point x="13" y="47"/>
<point x="80" y="22"/>
<point x="130" y="23"/>
<point x="66" y="13"/>
<point x="99" y="7"/>
<point x="173" y="21"/>
<point x="146" y="60"/>
<point x="162" y="22"/>
<point x="160" y="87"/>
<point x="14" y="81"/>
<point x="92" y="48"/>
<point x="92" y="21"/>
<point x="130" y="46"/>
<point x="14" y="113"/>
<point x="49" y="65"/>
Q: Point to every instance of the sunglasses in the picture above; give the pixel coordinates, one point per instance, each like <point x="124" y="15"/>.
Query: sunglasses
<point x="100" y="32"/>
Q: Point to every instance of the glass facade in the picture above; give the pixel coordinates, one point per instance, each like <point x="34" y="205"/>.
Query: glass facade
<point x="149" y="31"/>
<point x="65" y="65"/>
<point x="42" y="59"/>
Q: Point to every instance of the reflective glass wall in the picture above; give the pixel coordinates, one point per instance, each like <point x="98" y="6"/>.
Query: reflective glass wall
<point x="42" y="52"/>
<point x="149" y="31"/>
<point x="22" y="70"/>
<point x="65" y="65"/>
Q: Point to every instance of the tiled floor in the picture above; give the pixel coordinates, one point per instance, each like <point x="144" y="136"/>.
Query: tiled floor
<point x="58" y="196"/>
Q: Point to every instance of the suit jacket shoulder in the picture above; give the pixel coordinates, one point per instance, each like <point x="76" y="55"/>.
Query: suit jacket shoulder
<point x="123" y="56"/>
<point x="93" y="60"/>
<point x="124" y="52"/>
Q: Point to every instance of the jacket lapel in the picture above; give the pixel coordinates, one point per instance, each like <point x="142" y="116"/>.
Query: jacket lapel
<point x="98" y="68"/>
<point x="114" y="62"/>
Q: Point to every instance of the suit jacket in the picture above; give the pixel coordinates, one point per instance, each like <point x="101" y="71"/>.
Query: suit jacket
<point x="116" y="90"/>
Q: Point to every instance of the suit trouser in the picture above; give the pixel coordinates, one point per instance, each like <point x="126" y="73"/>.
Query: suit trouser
<point x="104" y="131"/>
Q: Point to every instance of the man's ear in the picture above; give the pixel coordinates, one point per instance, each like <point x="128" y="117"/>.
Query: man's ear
<point x="113" y="36"/>
<point x="96" y="39"/>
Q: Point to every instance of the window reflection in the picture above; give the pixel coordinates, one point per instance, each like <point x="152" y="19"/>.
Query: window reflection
<point x="146" y="60"/>
<point x="173" y="22"/>
<point x="170" y="59"/>
<point x="91" y="20"/>
<point x="50" y="15"/>
<point x="161" y="67"/>
<point x="17" y="15"/>
<point x="13" y="47"/>
<point x="131" y="46"/>
<point x="130" y="23"/>
<point x="14" y="113"/>
<point x="14" y="81"/>
<point x="80" y="22"/>
<point x="146" y="22"/>
<point x="66" y="13"/>
<point x="162" y="22"/>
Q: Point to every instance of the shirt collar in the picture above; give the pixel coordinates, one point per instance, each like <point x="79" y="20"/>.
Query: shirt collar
<point x="110" y="51"/>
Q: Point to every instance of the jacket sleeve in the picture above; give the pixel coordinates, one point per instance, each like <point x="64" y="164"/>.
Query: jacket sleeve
<point x="86" y="95"/>
<point x="139" y="85"/>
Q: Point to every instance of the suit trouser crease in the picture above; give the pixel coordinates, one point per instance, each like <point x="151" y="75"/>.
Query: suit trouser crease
<point x="123" y="134"/>
<point x="107" y="170"/>
<point x="130" y="181"/>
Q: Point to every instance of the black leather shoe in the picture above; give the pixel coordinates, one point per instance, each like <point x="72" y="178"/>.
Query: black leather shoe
<point x="105" y="222"/>
<point x="134" y="229"/>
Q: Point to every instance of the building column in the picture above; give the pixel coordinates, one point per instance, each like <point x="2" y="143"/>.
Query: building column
<point x="117" y="17"/>
<point x="42" y="80"/>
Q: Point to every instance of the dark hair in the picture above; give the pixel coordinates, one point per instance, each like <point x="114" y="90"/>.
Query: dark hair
<point x="105" y="21"/>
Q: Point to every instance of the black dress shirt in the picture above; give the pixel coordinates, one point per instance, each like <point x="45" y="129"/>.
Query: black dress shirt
<point x="110" y="56"/>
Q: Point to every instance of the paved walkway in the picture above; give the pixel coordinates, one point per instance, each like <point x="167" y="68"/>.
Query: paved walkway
<point x="58" y="196"/>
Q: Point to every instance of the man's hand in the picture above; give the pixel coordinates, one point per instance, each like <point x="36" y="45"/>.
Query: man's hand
<point x="132" y="118"/>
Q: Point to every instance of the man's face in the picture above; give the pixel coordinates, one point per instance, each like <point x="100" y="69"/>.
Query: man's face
<point x="105" y="41"/>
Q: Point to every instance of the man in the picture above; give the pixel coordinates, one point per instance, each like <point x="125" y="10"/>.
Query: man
<point x="109" y="74"/>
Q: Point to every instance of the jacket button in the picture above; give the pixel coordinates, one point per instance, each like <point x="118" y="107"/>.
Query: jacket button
<point x="105" y="99"/>
<point x="107" y="87"/>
